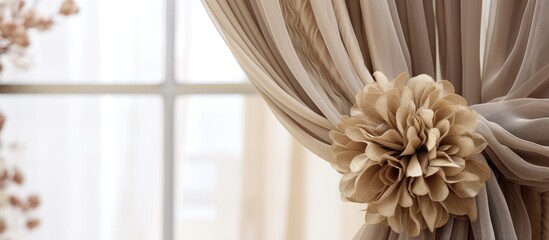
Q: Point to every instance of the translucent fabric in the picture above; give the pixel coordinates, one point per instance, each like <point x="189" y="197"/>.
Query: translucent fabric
<point x="309" y="58"/>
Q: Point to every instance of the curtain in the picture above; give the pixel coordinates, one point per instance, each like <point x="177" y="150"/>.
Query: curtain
<point x="85" y="156"/>
<point x="102" y="44"/>
<point x="308" y="59"/>
<point x="285" y="195"/>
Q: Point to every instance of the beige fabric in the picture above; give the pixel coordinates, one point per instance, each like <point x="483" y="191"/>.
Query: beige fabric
<point x="545" y="215"/>
<point x="309" y="58"/>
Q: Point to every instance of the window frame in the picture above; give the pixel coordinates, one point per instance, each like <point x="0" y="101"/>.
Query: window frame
<point x="169" y="89"/>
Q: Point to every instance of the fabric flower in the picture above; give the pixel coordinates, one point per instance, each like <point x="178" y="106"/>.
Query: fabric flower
<point x="410" y="152"/>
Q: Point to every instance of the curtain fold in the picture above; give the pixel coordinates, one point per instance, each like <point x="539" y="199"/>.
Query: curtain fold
<point x="308" y="59"/>
<point x="418" y="27"/>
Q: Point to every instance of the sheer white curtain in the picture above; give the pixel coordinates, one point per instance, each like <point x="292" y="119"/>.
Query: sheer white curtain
<point x="120" y="41"/>
<point x="249" y="179"/>
<point x="95" y="160"/>
<point x="289" y="192"/>
<point x="97" y="174"/>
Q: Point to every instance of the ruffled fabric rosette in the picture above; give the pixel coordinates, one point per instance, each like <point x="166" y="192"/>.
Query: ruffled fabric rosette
<point x="409" y="151"/>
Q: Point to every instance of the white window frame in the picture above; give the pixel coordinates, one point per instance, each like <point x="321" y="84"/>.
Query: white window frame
<point x="169" y="89"/>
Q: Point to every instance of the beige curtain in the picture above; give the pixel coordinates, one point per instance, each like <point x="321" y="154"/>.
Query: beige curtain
<point x="287" y="192"/>
<point x="309" y="58"/>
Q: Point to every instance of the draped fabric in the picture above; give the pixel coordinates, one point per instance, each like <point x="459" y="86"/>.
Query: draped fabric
<point x="309" y="58"/>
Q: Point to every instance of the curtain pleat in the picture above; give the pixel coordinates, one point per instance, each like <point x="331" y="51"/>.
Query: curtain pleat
<point x="418" y="27"/>
<point x="355" y="17"/>
<point x="309" y="58"/>
<point x="508" y="29"/>
<point x="383" y="39"/>
<point x="545" y="215"/>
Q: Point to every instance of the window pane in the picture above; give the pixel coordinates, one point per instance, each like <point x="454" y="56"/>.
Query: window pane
<point x="109" y="41"/>
<point x="202" y="55"/>
<point x="96" y="163"/>
<point x="209" y="147"/>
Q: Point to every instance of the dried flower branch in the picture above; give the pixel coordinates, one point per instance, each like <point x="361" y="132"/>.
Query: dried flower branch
<point x="17" y="18"/>
<point x="15" y="211"/>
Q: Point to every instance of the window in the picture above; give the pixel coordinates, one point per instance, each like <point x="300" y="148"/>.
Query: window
<point x="108" y="98"/>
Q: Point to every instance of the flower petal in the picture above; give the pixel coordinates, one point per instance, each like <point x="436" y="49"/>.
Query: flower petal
<point x="428" y="210"/>
<point x="414" y="168"/>
<point x="420" y="187"/>
<point x="447" y="86"/>
<point x="438" y="188"/>
<point x="432" y="138"/>
<point x="391" y="139"/>
<point x="427" y="115"/>
<point x="358" y="162"/>
<point x="388" y="205"/>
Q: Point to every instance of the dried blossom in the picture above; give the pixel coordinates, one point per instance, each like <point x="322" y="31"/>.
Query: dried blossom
<point x="33" y="201"/>
<point x="7" y="28"/>
<point x="20" y="37"/>
<point x="30" y="18"/>
<point x="18" y="176"/>
<point x="2" y="121"/>
<point x="69" y="7"/>
<point x="44" y="23"/>
<point x="410" y="152"/>
<point x="3" y="175"/>
<point x="15" y="202"/>
<point x="32" y="223"/>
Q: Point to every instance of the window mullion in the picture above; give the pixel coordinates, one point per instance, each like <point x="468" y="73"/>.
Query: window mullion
<point x="169" y="85"/>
